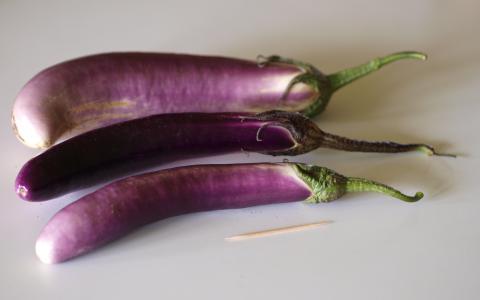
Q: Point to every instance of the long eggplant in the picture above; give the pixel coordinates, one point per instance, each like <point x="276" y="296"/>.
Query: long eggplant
<point x="120" y="207"/>
<point x="118" y="149"/>
<point x="94" y="91"/>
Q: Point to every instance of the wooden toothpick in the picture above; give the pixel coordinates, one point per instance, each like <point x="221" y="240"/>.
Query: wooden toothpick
<point x="274" y="231"/>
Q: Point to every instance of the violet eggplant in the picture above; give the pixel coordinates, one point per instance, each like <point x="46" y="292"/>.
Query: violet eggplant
<point x="118" y="149"/>
<point x="94" y="91"/>
<point x="127" y="204"/>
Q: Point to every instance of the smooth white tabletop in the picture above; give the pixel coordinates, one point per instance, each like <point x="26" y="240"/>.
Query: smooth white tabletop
<point x="377" y="247"/>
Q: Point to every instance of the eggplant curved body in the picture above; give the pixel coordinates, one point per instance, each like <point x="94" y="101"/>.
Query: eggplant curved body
<point x="99" y="90"/>
<point x="127" y="204"/>
<point x="122" y="206"/>
<point x="115" y="150"/>
<point x="119" y="149"/>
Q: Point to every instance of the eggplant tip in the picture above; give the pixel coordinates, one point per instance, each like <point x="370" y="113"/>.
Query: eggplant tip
<point x="28" y="135"/>
<point x="22" y="191"/>
<point x="44" y="251"/>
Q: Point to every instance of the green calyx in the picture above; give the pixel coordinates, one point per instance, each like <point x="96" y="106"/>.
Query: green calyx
<point x="327" y="185"/>
<point x="325" y="86"/>
<point x="310" y="76"/>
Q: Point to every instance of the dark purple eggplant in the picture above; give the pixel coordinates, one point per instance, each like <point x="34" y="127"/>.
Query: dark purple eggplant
<point x="118" y="149"/>
<point x="122" y="206"/>
<point x="94" y="91"/>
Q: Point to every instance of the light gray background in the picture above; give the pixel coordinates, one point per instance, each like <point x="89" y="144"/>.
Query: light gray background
<point x="378" y="248"/>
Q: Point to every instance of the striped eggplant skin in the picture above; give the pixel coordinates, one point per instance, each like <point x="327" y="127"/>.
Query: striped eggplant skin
<point x="122" y="206"/>
<point x="99" y="90"/>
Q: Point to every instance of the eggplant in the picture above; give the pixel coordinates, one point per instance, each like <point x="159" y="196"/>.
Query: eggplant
<point x="127" y="204"/>
<point x="94" y="91"/>
<point x="112" y="151"/>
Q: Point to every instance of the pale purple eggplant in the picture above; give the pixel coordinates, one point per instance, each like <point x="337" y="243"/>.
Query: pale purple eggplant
<point x="119" y="149"/>
<point x="122" y="206"/>
<point x="94" y="91"/>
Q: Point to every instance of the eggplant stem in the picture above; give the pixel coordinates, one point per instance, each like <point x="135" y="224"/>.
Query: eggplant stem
<point x="342" y="143"/>
<point x="327" y="185"/>
<point x="310" y="76"/>
<point x="364" y="185"/>
<point x="344" y="77"/>
<point x="325" y="86"/>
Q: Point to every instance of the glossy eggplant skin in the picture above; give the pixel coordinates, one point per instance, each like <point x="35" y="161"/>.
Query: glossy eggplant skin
<point x="95" y="91"/>
<point x="115" y="150"/>
<point x="120" y="149"/>
<point x="103" y="89"/>
<point x="122" y="206"/>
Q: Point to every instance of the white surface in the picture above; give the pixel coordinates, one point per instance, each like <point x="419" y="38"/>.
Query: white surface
<point x="378" y="248"/>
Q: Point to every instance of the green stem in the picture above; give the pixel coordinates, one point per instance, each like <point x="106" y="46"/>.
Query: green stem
<point x="365" y="185"/>
<point x="344" y="77"/>
<point x="327" y="185"/>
